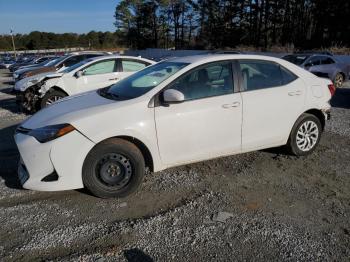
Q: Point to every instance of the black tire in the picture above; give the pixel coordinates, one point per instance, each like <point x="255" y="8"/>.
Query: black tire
<point x="292" y="144"/>
<point x="51" y="96"/>
<point x="338" y="80"/>
<point x="125" y="169"/>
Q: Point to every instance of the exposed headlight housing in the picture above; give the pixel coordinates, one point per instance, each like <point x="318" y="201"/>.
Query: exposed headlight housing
<point x="48" y="133"/>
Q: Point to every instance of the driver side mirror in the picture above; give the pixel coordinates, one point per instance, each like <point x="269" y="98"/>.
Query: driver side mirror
<point x="172" y="96"/>
<point x="79" y="74"/>
<point x="307" y="65"/>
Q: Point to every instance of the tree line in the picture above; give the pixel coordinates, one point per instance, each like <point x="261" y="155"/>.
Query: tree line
<point x="211" y="24"/>
<point x="44" y="40"/>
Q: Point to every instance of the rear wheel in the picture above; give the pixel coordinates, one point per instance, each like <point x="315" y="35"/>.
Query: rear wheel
<point x="51" y="97"/>
<point x="114" y="168"/>
<point x="338" y="80"/>
<point x="305" y="135"/>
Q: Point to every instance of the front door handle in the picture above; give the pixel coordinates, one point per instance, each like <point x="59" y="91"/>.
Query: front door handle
<point x="295" y="93"/>
<point x="235" y="104"/>
<point x="113" y="79"/>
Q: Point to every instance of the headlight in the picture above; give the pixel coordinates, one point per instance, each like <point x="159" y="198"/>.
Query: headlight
<point x="48" y="133"/>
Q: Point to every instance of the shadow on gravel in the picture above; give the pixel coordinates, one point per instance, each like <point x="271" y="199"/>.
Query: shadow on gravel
<point x="10" y="105"/>
<point x="341" y="98"/>
<point x="8" y="83"/>
<point x="7" y="90"/>
<point x="9" y="157"/>
<point x="136" y="255"/>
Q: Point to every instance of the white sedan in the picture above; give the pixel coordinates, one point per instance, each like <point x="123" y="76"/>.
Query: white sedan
<point x="175" y="112"/>
<point x="41" y="90"/>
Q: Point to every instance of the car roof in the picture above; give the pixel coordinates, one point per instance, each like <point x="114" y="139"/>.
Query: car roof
<point x="119" y="56"/>
<point x="217" y="57"/>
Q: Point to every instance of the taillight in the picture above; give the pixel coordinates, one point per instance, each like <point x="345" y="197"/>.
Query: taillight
<point x="331" y="88"/>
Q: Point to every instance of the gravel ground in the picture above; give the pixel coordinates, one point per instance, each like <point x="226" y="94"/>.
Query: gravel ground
<point x="264" y="205"/>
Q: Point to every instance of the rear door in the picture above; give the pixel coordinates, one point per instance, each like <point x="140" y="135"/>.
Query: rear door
<point x="273" y="99"/>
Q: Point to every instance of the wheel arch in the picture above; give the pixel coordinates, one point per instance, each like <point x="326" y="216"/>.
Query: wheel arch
<point x="319" y="114"/>
<point x="57" y="88"/>
<point x="146" y="153"/>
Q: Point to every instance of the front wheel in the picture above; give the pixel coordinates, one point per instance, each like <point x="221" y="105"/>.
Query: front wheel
<point x="51" y="97"/>
<point x="114" y="168"/>
<point x="305" y="135"/>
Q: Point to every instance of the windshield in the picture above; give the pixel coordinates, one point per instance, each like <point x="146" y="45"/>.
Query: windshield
<point x="58" y="60"/>
<point x="73" y="67"/>
<point x="296" y="59"/>
<point x="143" y="81"/>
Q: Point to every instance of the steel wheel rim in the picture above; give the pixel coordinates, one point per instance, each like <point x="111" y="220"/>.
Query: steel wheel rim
<point x="307" y="136"/>
<point x="114" y="170"/>
<point x="52" y="99"/>
<point x="338" y="80"/>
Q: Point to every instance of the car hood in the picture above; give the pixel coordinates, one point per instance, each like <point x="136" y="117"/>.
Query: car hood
<point x="69" y="109"/>
<point x="39" y="70"/>
<point x="23" y="84"/>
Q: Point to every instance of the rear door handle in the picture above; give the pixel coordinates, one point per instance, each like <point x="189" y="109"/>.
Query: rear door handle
<point x="235" y="104"/>
<point x="295" y="93"/>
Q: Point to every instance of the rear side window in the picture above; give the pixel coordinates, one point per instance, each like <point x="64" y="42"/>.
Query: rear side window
<point x="73" y="60"/>
<point x="132" y="65"/>
<point x="313" y="61"/>
<point x="327" y="61"/>
<point x="258" y="75"/>
<point x="287" y="76"/>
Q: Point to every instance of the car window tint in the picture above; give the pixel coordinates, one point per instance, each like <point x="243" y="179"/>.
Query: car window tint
<point x="327" y="61"/>
<point x="260" y="74"/>
<point x="288" y="76"/>
<point x="132" y="66"/>
<point x="213" y="79"/>
<point x="72" y="61"/>
<point x="102" y="67"/>
<point x="92" y="55"/>
<point x="314" y="61"/>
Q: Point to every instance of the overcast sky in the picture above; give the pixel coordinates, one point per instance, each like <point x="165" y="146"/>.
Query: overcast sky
<point x="60" y="16"/>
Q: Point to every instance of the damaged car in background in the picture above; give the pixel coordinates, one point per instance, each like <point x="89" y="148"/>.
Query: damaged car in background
<point x="59" y="64"/>
<point x="34" y="93"/>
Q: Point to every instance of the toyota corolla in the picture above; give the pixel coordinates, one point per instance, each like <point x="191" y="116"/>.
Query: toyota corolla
<point x="178" y="111"/>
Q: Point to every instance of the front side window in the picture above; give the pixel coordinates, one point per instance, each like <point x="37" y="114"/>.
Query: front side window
<point x="142" y="81"/>
<point x="213" y="79"/>
<point x="132" y="66"/>
<point x="258" y="75"/>
<point x="102" y="67"/>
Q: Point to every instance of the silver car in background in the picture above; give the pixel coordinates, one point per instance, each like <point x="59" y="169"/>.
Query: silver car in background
<point x="322" y="65"/>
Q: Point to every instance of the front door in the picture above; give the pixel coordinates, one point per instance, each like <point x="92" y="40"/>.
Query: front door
<point x="97" y="75"/>
<point x="208" y="123"/>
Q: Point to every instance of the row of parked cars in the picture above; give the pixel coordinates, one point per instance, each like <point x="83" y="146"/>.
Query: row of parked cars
<point x="141" y="114"/>
<point x="50" y="78"/>
<point x="40" y="81"/>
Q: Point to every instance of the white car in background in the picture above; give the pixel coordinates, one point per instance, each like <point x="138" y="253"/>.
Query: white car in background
<point x="41" y="90"/>
<point x="175" y="112"/>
